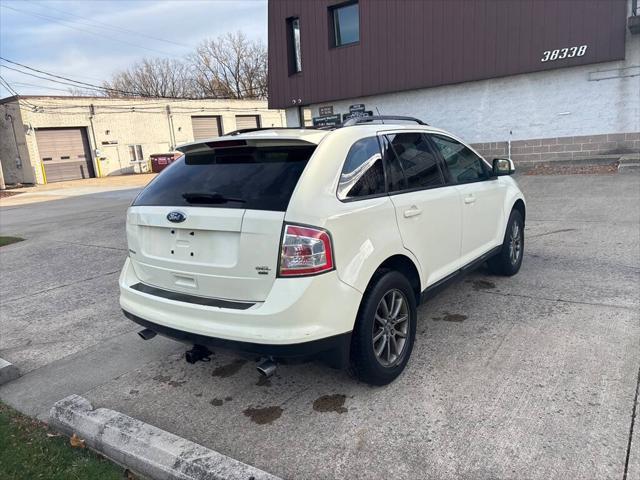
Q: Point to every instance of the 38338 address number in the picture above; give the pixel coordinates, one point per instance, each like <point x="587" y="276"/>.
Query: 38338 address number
<point x="560" y="53"/>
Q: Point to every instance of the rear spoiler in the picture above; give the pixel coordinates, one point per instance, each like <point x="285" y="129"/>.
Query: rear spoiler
<point x="223" y="142"/>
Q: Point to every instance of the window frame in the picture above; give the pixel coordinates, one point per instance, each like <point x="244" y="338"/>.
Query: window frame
<point x="137" y="148"/>
<point x="435" y="153"/>
<point x="448" y="175"/>
<point x="384" y="173"/>
<point x="333" y="34"/>
<point x="292" y="52"/>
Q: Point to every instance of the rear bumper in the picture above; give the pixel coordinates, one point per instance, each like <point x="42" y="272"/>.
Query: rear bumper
<point x="338" y="343"/>
<point x="296" y="311"/>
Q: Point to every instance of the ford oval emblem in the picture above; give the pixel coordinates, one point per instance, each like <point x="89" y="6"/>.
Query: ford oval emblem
<point x="176" y="217"/>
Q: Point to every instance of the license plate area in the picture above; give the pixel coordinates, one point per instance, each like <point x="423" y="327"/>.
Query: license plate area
<point x="184" y="245"/>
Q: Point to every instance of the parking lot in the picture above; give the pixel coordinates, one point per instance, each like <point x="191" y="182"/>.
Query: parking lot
<point x="533" y="376"/>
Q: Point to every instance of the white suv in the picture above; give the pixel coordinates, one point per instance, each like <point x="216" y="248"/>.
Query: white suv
<point x="299" y="242"/>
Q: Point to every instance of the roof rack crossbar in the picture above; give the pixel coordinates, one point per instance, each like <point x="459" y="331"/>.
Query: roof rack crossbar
<point x="381" y="118"/>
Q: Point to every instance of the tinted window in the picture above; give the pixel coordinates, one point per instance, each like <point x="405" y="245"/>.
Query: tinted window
<point x="362" y="173"/>
<point x="395" y="177"/>
<point x="463" y="165"/>
<point x="241" y="177"/>
<point x="417" y="161"/>
<point x="346" y="24"/>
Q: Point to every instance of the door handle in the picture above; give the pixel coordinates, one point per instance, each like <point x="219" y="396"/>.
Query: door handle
<point x="469" y="199"/>
<point x="412" y="212"/>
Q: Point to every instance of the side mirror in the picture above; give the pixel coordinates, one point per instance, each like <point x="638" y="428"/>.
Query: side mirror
<point x="503" y="166"/>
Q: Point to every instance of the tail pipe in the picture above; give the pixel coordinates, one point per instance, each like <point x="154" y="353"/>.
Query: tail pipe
<point x="267" y="367"/>
<point x="147" y="334"/>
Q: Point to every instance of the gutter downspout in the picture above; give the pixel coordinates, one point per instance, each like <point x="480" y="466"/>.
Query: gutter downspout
<point x="172" y="135"/>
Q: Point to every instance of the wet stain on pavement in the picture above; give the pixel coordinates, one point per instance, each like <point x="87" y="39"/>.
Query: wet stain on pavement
<point x="263" y="382"/>
<point x="263" y="416"/>
<point x="216" y="402"/>
<point x="483" y="285"/>
<point x="330" y="403"/>
<point x="228" y="399"/>
<point x="229" y="369"/>
<point x="134" y="392"/>
<point x="450" y="317"/>
<point x="176" y="383"/>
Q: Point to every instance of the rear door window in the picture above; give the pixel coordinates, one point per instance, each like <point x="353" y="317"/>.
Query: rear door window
<point x="417" y="160"/>
<point x="362" y="173"/>
<point x="258" y="178"/>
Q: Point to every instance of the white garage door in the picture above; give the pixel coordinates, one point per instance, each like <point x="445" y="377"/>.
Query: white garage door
<point x="64" y="152"/>
<point x="206" y="127"/>
<point x="247" y="121"/>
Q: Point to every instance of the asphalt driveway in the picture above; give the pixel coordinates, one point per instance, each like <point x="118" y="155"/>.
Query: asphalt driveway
<point x="533" y="376"/>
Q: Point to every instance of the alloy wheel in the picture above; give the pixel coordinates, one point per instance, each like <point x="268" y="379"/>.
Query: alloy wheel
<point x="391" y="328"/>
<point x="515" y="243"/>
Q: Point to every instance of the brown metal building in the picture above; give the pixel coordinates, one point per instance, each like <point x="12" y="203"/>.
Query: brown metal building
<point x="517" y="59"/>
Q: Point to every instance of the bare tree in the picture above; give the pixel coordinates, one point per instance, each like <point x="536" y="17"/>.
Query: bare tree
<point x="231" y="66"/>
<point x="155" y="77"/>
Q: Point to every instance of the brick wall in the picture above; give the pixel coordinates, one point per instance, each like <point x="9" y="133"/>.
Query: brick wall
<point x="542" y="150"/>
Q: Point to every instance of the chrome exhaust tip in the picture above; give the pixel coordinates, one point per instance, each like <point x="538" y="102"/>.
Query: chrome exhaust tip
<point x="267" y="367"/>
<point x="147" y="334"/>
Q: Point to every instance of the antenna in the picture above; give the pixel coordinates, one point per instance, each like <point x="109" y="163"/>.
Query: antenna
<point x="378" y="112"/>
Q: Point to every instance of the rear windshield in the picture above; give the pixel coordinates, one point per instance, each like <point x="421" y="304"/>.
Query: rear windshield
<point x="259" y="178"/>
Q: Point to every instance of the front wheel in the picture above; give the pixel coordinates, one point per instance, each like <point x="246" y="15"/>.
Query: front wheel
<point x="385" y="330"/>
<point x="508" y="261"/>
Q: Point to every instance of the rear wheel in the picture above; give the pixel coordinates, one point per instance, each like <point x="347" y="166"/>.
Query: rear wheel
<point x="509" y="259"/>
<point x="385" y="330"/>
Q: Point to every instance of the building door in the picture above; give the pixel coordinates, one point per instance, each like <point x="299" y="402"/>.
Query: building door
<point x="247" y="121"/>
<point x="206" y="127"/>
<point x="64" y="153"/>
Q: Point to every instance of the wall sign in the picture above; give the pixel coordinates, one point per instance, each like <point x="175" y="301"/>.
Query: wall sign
<point x="326" y="121"/>
<point x="560" y="53"/>
<point x="324" y="111"/>
<point x="358" y="107"/>
<point x="347" y="116"/>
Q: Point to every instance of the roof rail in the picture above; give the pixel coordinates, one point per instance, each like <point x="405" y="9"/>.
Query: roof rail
<point x="381" y="118"/>
<point x="257" y="129"/>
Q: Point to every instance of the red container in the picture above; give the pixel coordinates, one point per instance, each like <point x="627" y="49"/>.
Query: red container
<point x="160" y="161"/>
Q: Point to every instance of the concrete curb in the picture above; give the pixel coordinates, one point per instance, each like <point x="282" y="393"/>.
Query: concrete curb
<point x="143" y="448"/>
<point x="8" y="371"/>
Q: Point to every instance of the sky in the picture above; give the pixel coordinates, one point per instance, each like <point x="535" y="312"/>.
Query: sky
<point x="50" y="35"/>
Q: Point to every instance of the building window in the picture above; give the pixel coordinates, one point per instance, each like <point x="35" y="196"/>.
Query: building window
<point x="135" y="153"/>
<point x="345" y="20"/>
<point x="293" y="41"/>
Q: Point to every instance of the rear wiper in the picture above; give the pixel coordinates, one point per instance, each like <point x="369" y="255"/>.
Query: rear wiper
<point x="203" y="197"/>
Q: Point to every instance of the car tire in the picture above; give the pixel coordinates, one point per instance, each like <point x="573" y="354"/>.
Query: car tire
<point x="369" y="362"/>
<point x="508" y="261"/>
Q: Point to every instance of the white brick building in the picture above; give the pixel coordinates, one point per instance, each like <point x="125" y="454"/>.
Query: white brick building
<point x="45" y="138"/>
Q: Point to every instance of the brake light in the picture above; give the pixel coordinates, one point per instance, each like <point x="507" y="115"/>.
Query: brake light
<point x="305" y="251"/>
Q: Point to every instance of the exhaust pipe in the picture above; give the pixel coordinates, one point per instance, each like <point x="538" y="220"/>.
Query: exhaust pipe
<point x="147" y="334"/>
<point x="267" y="367"/>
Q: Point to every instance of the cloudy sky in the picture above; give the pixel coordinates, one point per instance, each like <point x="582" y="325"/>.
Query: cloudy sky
<point x="88" y="40"/>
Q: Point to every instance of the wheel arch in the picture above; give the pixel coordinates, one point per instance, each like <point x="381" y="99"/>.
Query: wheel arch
<point x="406" y="266"/>
<point x="520" y="207"/>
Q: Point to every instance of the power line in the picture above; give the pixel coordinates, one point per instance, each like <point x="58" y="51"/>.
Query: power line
<point x="66" y="23"/>
<point x="10" y="89"/>
<point x="117" y="28"/>
<point x="102" y="88"/>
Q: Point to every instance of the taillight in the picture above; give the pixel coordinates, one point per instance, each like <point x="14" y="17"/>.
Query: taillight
<point x="305" y="251"/>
